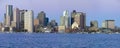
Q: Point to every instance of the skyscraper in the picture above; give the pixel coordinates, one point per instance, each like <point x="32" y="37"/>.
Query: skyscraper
<point x="65" y="19"/>
<point x="73" y="16"/>
<point x="22" y="12"/>
<point x="36" y="25"/>
<point x="4" y="19"/>
<point x="36" y="22"/>
<point x="16" y="17"/>
<point x="80" y="19"/>
<point x="46" y="21"/>
<point x="64" y="22"/>
<point x="29" y="21"/>
<point x="9" y="14"/>
<point x="42" y="16"/>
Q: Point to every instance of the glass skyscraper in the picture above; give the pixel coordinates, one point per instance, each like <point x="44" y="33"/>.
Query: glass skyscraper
<point x="9" y="14"/>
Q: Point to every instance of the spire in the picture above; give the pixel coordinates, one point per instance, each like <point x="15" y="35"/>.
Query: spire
<point x="65" y="13"/>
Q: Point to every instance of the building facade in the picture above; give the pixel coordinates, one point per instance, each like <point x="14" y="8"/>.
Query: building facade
<point x="73" y="16"/>
<point x="16" y="17"/>
<point x="94" y="24"/>
<point x="9" y="14"/>
<point x="36" y="25"/>
<point x="29" y="21"/>
<point x="42" y="18"/>
<point x="22" y="12"/>
<point x="80" y="19"/>
<point x="61" y="29"/>
<point x="65" y="19"/>
<point x="109" y="24"/>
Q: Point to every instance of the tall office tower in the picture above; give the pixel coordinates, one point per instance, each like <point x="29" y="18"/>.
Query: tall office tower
<point x="36" y="22"/>
<point x="9" y="14"/>
<point x="36" y="25"/>
<point x="65" y="19"/>
<point x="80" y="19"/>
<point x="22" y="12"/>
<point x="4" y="19"/>
<point x="94" y="24"/>
<point x="42" y="18"/>
<point x="16" y="17"/>
<point x="29" y="21"/>
<point x="73" y="16"/>
<point x="109" y="24"/>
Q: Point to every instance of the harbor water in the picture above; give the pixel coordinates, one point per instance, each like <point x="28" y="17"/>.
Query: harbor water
<point x="54" y="40"/>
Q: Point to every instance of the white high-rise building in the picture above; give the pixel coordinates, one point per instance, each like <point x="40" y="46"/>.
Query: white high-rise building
<point x="29" y="21"/>
<point x="65" y="19"/>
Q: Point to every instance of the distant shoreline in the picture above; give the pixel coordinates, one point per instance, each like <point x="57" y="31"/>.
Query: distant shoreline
<point x="66" y="33"/>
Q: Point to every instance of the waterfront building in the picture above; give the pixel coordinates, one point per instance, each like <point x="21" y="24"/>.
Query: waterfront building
<point x="13" y="24"/>
<point x="12" y="29"/>
<point x="65" y="19"/>
<point x="8" y="22"/>
<point x="109" y="24"/>
<point x="9" y="14"/>
<point x="22" y="12"/>
<point x="43" y="20"/>
<point x="73" y="16"/>
<point x="94" y="24"/>
<point x="36" y="22"/>
<point x="93" y="29"/>
<point x="46" y="30"/>
<point x="16" y="18"/>
<point x="80" y="19"/>
<point x="36" y="25"/>
<point x="53" y="26"/>
<point x="61" y="29"/>
<point x="75" y="25"/>
<point x="29" y="21"/>
<point x="46" y="21"/>
<point x="104" y="24"/>
<point x="5" y="29"/>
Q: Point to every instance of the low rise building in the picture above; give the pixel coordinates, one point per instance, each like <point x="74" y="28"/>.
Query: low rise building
<point x="61" y="29"/>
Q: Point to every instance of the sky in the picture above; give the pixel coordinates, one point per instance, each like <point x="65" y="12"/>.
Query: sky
<point x="99" y="10"/>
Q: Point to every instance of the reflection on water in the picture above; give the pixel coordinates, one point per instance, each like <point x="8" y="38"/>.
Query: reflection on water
<point x="38" y="40"/>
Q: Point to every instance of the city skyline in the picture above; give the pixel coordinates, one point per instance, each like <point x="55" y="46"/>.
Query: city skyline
<point x="97" y="10"/>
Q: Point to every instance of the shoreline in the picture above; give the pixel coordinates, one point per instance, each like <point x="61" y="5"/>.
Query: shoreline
<point x="67" y="33"/>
